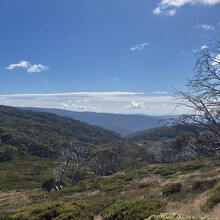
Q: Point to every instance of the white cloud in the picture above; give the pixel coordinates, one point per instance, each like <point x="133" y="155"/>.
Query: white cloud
<point x="31" y="68"/>
<point x="205" y="27"/>
<point x="203" y="47"/>
<point x="21" y="64"/>
<point x="168" y="7"/>
<point x="36" y="68"/>
<point x="134" y="105"/>
<point x="70" y="106"/>
<point x="139" y="47"/>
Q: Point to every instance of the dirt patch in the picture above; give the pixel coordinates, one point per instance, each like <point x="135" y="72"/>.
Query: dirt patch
<point x="98" y="217"/>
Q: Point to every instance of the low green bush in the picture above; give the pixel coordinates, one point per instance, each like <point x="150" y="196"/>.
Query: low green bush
<point x="48" y="184"/>
<point x="49" y="211"/>
<point x="201" y="186"/>
<point x="172" y="188"/>
<point x="129" y="211"/>
<point x="164" y="171"/>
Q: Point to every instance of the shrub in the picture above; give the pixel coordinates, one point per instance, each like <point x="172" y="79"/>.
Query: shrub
<point x="135" y="210"/>
<point x="8" y="152"/>
<point x="172" y="188"/>
<point x="165" y="171"/>
<point x="201" y="186"/>
<point x="48" y="184"/>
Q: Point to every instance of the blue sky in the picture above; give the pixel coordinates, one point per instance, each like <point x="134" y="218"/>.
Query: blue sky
<point x="75" y="54"/>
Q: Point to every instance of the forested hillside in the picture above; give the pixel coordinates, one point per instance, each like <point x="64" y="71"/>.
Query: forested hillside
<point x="25" y="132"/>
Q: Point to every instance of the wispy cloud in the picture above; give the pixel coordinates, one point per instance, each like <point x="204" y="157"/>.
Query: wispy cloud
<point x="112" y="102"/>
<point x="83" y="94"/>
<point x="160" y="92"/>
<point x="168" y="7"/>
<point x="30" y="68"/>
<point x="204" y="26"/>
<point x="139" y="47"/>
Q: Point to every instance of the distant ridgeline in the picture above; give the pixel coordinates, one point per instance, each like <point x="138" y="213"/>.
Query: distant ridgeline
<point x="25" y="132"/>
<point x="123" y="124"/>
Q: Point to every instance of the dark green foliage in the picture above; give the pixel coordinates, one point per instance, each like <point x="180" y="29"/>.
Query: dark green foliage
<point x="172" y="188"/>
<point x="49" y="211"/>
<point x="5" y="137"/>
<point x="128" y="211"/>
<point x="8" y="152"/>
<point x="22" y="151"/>
<point x="201" y="186"/>
<point x="46" y="134"/>
<point x="48" y="184"/>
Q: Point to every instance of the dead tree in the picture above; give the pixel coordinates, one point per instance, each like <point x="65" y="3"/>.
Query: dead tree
<point x="203" y="99"/>
<point x="64" y="159"/>
<point x="72" y="155"/>
<point x="106" y="161"/>
<point x="79" y="154"/>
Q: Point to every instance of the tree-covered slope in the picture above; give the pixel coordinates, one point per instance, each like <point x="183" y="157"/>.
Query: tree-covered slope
<point x="159" y="133"/>
<point x="43" y="134"/>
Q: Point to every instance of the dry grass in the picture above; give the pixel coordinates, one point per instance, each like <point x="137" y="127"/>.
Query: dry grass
<point x="12" y="199"/>
<point x="215" y="213"/>
<point x="192" y="209"/>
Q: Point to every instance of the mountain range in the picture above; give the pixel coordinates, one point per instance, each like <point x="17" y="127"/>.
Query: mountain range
<point x="119" y="123"/>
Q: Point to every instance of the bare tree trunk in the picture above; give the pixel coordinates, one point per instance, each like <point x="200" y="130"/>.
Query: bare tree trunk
<point x="75" y="175"/>
<point x="62" y="174"/>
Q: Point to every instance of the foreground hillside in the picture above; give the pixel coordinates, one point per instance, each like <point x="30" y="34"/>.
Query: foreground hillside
<point x="121" y="178"/>
<point x="44" y="134"/>
<point x="188" y="188"/>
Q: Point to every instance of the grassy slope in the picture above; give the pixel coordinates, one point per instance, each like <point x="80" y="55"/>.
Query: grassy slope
<point x="136" y="193"/>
